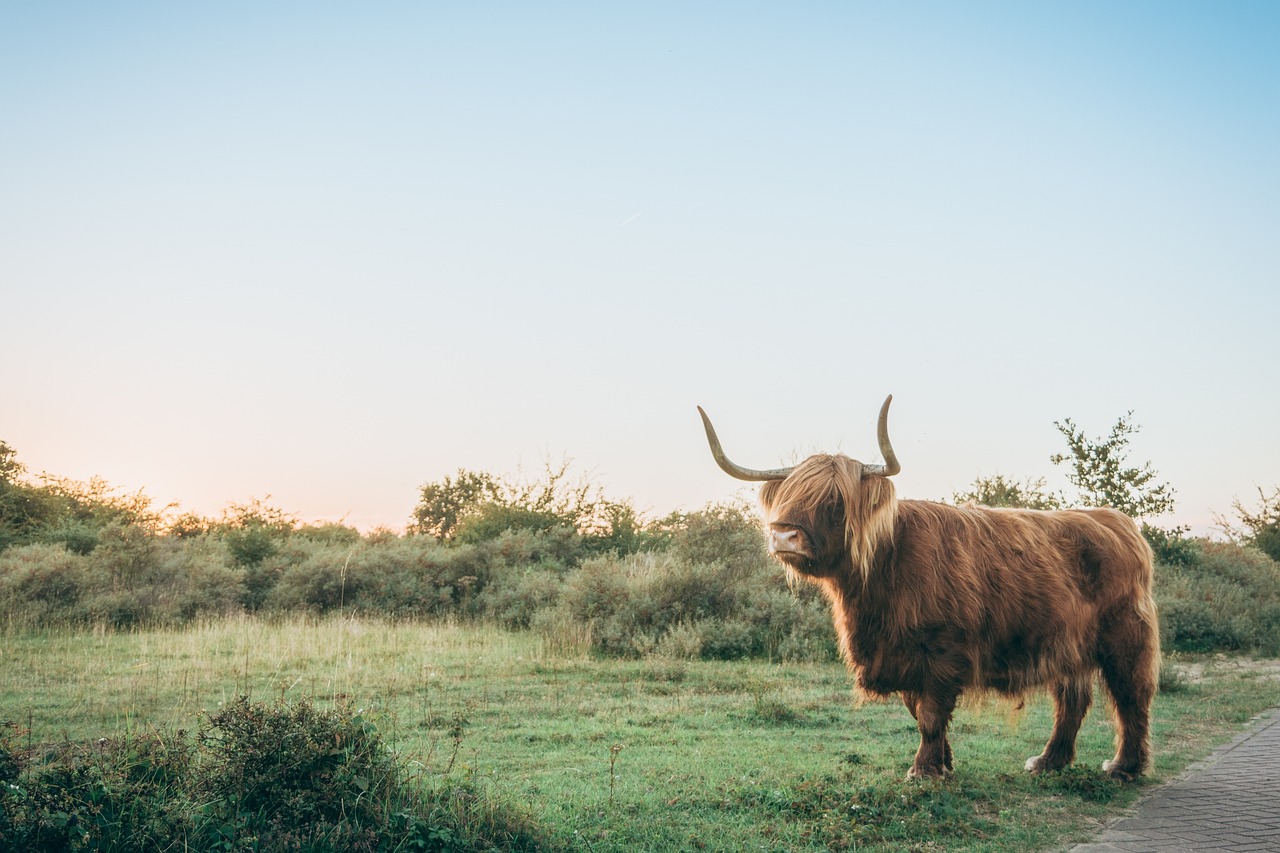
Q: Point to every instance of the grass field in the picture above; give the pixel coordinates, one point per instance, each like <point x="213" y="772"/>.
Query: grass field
<point x="658" y="754"/>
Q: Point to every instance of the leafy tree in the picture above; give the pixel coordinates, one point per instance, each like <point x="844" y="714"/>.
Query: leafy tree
<point x="65" y="511"/>
<point x="476" y="506"/>
<point x="189" y="524"/>
<point x="25" y="510"/>
<point x="11" y="470"/>
<point x="1000" y="491"/>
<point x="1261" y="528"/>
<point x="253" y="531"/>
<point x="444" y="505"/>
<point x="1098" y="470"/>
<point x="98" y="502"/>
<point x="492" y="520"/>
<point x="1100" y="473"/>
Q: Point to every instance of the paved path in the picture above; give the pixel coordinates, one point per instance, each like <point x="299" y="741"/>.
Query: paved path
<point x="1229" y="801"/>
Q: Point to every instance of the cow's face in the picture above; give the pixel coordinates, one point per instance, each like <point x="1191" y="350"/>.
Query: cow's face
<point x="804" y="517"/>
<point x="826" y="515"/>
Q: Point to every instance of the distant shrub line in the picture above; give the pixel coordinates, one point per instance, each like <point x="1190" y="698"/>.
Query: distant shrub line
<point x="701" y="588"/>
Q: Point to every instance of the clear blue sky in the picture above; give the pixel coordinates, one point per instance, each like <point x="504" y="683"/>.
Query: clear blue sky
<point x="330" y="252"/>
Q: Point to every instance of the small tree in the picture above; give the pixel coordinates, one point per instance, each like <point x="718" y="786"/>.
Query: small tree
<point x="446" y="504"/>
<point x="11" y="470"/>
<point x="1099" y="472"/>
<point x="476" y="506"/>
<point x="1000" y="491"/>
<point x="1261" y="529"/>
<point x="25" y="510"/>
<point x="253" y="531"/>
<point x="65" y="511"/>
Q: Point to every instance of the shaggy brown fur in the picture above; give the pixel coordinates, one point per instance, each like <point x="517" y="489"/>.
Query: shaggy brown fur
<point x="930" y="600"/>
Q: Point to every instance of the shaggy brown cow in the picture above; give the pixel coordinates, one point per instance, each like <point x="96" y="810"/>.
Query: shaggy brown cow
<point x="930" y="599"/>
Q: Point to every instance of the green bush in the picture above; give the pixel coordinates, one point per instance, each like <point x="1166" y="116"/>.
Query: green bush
<point x="288" y="775"/>
<point x="1228" y="598"/>
<point x="256" y="777"/>
<point x="42" y="584"/>
<point x="132" y="578"/>
<point x="114" y="794"/>
<point x="633" y="604"/>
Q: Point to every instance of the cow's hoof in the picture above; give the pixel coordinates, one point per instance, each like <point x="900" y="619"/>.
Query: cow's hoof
<point x="928" y="772"/>
<point x="1115" y="771"/>
<point x="1040" y="764"/>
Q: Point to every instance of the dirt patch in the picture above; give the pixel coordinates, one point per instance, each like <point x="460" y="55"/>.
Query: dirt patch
<point x="1199" y="671"/>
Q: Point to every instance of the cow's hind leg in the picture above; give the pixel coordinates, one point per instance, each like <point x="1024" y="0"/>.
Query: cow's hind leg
<point x="1071" y="700"/>
<point x="932" y="713"/>
<point x="1129" y="654"/>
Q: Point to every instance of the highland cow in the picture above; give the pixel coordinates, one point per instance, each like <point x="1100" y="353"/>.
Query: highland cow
<point x="930" y="600"/>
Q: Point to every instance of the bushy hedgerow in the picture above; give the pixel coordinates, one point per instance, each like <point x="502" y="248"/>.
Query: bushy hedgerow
<point x="661" y="604"/>
<point x="1227" y="598"/>
<point x="132" y="577"/>
<point x="507" y="578"/>
<point x="256" y="777"/>
<point x="705" y="588"/>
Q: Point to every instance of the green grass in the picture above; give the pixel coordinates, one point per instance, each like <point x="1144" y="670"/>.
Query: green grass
<point x="624" y="755"/>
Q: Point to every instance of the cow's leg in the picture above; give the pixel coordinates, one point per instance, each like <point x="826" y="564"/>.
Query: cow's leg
<point x="911" y="700"/>
<point x="1129" y="654"/>
<point x="1071" y="700"/>
<point x="932" y="712"/>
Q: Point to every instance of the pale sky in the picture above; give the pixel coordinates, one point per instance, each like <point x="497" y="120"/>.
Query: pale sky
<point x="330" y="252"/>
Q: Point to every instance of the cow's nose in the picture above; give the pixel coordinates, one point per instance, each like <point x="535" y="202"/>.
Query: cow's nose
<point x="783" y="540"/>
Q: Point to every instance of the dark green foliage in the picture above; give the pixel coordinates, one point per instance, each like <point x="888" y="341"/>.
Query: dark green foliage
<point x="279" y="775"/>
<point x="254" y="531"/>
<point x="491" y="521"/>
<point x="711" y="593"/>
<point x="257" y="777"/>
<point x="63" y="511"/>
<point x="1259" y="528"/>
<point x="1081" y="782"/>
<point x="77" y="535"/>
<point x="473" y="507"/>
<point x="115" y="794"/>
<point x="1171" y="546"/>
<point x="1228" y="598"/>
<point x="1000" y="491"/>
<point x="1098" y="470"/>
<point x="444" y="505"/>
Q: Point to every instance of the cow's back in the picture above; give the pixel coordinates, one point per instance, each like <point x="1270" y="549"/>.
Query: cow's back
<point x="1005" y="599"/>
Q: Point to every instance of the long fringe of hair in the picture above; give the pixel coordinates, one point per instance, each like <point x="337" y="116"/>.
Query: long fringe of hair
<point x="870" y="503"/>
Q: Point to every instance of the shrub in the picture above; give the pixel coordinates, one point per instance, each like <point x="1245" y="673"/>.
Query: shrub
<point x="634" y="603"/>
<point x="720" y="533"/>
<point x="285" y="774"/>
<point x="114" y="794"/>
<point x="257" y="777"/>
<point x="1228" y="598"/>
<point x="42" y="584"/>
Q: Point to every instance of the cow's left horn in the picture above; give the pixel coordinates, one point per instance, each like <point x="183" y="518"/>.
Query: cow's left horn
<point x="737" y="471"/>
<point x="890" y="466"/>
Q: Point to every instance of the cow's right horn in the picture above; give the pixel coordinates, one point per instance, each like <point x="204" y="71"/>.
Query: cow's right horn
<point x="890" y="466"/>
<point x="737" y="471"/>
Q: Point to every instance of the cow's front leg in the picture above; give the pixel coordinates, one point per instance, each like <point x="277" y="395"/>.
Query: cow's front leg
<point x="932" y="710"/>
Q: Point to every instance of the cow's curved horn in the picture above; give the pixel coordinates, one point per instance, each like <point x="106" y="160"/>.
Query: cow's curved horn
<point x="737" y="471"/>
<point x="890" y="466"/>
